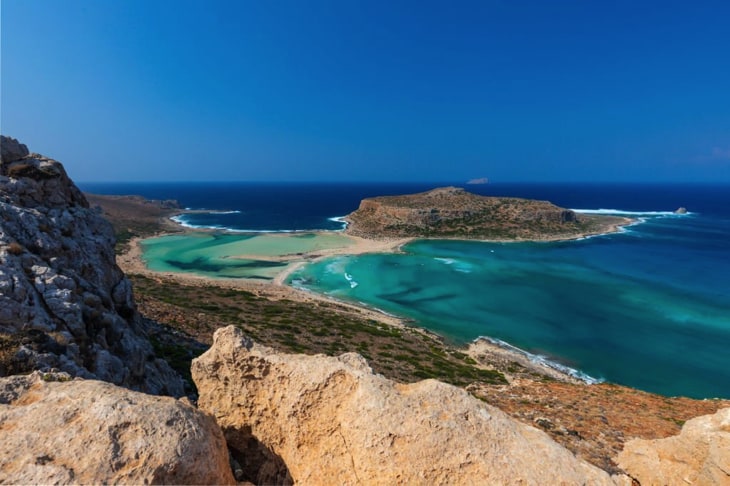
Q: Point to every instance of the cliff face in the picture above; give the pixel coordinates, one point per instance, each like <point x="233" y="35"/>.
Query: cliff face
<point x="327" y="420"/>
<point x="64" y="303"/>
<point x="453" y="212"/>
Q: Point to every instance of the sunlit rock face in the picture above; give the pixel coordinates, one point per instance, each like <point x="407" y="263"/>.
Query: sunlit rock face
<point x="58" y="430"/>
<point x="64" y="303"/>
<point x="331" y="420"/>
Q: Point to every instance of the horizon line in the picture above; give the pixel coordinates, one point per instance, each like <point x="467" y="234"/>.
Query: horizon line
<point x="414" y="182"/>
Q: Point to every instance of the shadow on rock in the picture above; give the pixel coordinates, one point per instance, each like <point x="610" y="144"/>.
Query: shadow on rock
<point x="253" y="461"/>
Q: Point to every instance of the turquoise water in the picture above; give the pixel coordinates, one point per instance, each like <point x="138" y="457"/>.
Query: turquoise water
<point x="234" y="255"/>
<point x="648" y="308"/>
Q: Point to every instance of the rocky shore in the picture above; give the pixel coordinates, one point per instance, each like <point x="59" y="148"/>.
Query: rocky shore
<point x="81" y="360"/>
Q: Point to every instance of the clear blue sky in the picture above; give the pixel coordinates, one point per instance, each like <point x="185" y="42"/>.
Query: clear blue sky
<point x="375" y="90"/>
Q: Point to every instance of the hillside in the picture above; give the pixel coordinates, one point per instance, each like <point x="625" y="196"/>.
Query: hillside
<point x="365" y="417"/>
<point x="452" y="212"/>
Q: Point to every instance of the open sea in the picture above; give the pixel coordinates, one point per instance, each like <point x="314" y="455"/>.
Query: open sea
<point x="648" y="307"/>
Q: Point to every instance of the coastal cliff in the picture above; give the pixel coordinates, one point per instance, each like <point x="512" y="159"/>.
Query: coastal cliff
<point x="64" y="303"/>
<point x="452" y="212"/>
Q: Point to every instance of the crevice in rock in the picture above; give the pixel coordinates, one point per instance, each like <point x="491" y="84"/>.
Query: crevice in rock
<point x="258" y="464"/>
<point x="349" y="453"/>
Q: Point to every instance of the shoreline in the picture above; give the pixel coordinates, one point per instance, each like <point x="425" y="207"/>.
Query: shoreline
<point x="131" y="262"/>
<point x="483" y="350"/>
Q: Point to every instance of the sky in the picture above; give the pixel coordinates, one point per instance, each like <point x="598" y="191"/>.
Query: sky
<point x="342" y="90"/>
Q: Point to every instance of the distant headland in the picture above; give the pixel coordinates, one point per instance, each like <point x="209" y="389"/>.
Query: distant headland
<point x="452" y="212"/>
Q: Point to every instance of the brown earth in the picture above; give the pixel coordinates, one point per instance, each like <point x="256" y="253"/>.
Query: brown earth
<point x="134" y="216"/>
<point x="594" y="421"/>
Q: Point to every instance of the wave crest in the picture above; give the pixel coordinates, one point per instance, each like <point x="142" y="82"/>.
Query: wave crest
<point x="622" y="212"/>
<point x="543" y="360"/>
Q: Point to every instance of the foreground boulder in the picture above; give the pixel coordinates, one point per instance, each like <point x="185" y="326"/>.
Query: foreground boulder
<point x="700" y="454"/>
<point x="327" y="420"/>
<point x="64" y="303"/>
<point x="87" y="431"/>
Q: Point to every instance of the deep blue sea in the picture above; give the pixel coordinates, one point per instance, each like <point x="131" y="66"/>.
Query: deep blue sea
<point x="648" y="308"/>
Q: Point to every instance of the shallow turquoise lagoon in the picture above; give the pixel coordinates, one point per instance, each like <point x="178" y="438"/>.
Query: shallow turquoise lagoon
<point x="230" y="255"/>
<point x="649" y="308"/>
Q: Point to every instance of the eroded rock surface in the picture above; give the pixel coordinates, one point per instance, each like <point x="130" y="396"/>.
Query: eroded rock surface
<point x="700" y="454"/>
<point x="64" y="303"/>
<point x="327" y="420"/>
<point x="90" y="432"/>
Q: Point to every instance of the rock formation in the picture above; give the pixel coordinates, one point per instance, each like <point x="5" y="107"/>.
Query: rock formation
<point x="327" y="420"/>
<point x="700" y="454"/>
<point x="453" y="212"/>
<point x="91" y="432"/>
<point x="64" y="303"/>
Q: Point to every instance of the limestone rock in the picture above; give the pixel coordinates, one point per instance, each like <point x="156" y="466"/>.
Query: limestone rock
<point x="327" y="420"/>
<point x="91" y="432"/>
<point x="11" y="150"/>
<point x="64" y="303"/>
<point x="700" y="454"/>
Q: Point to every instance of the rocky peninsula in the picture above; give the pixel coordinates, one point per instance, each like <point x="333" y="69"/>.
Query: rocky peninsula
<point x="288" y="391"/>
<point x="452" y="212"/>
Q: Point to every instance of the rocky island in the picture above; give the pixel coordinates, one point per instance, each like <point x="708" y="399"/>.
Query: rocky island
<point x="83" y="359"/>
<point x="452" y="212"/>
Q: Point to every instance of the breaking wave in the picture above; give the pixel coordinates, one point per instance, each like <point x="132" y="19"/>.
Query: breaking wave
<point x="543" y="360"/>
<point x="621" y="212"/>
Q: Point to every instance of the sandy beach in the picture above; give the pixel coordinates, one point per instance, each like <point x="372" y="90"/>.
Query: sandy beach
<point x="481" y="350"/>
<point x="131" y="262"/>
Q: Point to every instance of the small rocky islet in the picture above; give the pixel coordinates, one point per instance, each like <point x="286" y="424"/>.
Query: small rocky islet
<point x="452" y="212"/>
<point x="81" y="383"/>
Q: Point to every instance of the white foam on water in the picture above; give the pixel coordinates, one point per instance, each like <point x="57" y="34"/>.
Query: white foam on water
<point x="447" y="261"/>
<point x="543" y="360"/>
<point x="341" y="220"/>
<point x="180" y="219"/>
<point x="352" y="281"/>
<point x="622" y="212"/>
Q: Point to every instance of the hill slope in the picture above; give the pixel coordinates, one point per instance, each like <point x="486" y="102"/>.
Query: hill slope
<point x="452" y="212"/>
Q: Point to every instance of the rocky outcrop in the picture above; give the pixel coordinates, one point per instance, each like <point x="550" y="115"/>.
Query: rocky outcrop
<point x="453" y="212"/>
<point x="91" y="432"/>
<point x="700" y="454"/>
<point x="64" y="303"/>
<point x="327" y="420"/>
<point x="12" y="150"/>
